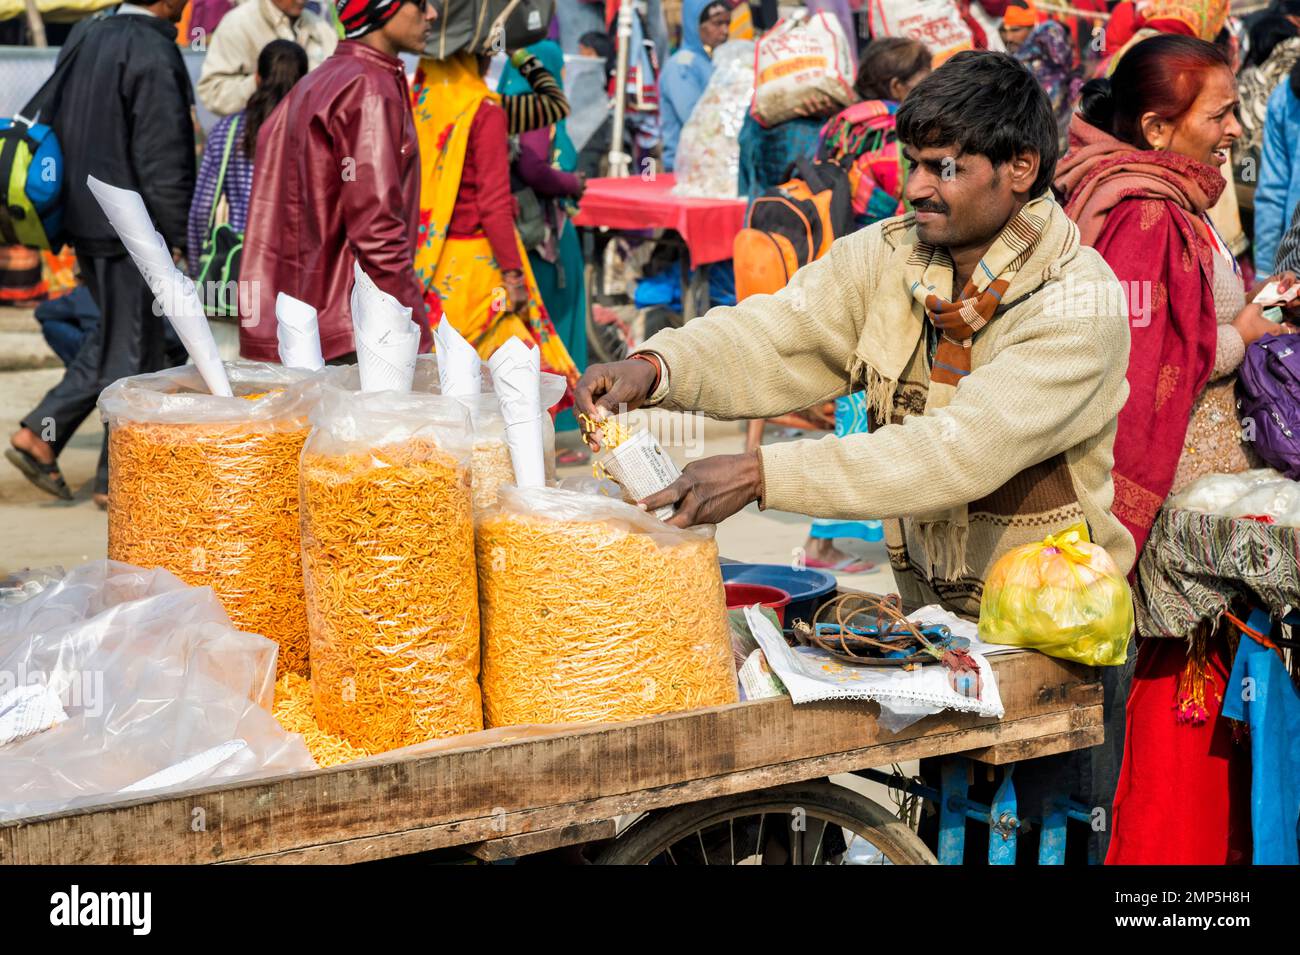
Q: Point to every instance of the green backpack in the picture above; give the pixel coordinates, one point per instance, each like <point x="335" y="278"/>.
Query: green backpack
<point x="218" y="274"/>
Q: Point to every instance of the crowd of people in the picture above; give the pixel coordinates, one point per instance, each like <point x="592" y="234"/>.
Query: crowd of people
<point x="1081" y="144"/>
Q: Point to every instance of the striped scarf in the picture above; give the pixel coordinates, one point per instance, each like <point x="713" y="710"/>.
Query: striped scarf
<point x="930" y="268"/>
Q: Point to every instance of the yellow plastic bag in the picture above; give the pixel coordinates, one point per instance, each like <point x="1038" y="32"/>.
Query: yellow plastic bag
<point x="1064" y="597"/>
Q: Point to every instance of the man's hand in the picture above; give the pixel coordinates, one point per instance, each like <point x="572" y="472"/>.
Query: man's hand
<point x="711" y="490"/>
<point x="603" y="389"/>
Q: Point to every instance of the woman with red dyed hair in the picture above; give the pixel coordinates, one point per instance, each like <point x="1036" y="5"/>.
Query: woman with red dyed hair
<point x="1142" y="171"/>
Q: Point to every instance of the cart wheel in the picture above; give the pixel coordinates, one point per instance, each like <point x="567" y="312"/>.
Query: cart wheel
<point x="802" y="824"/>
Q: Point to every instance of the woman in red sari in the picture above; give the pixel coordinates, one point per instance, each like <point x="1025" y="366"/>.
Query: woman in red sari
<point x="1141" y="173"/>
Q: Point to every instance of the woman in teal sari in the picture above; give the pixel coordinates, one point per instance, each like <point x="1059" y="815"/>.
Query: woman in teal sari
<point x="543" y="162"/>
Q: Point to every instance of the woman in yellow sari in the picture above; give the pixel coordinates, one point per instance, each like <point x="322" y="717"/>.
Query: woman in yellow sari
<point x="468" y="254"/>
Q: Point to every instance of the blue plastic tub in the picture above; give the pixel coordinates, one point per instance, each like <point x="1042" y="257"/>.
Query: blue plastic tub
<point x="807" y="588"/>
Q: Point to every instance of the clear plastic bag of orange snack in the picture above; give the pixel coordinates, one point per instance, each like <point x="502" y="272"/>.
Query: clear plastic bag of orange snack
<point x="388" y="563"/>
<point x="207" y="487"/>
<point x="595" y="611"/>
<point x="492" y="467"/>
<point x="1063" y="596"/>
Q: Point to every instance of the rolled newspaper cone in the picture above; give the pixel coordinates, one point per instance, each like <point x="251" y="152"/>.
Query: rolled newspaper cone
<point x="641" y="468"/>
<point x="175" y="292"/>
<point x="387" y="340"/>
<point x="516" y="375"/>
<point x="297" y="332"/>
<point x="460" y="370"/>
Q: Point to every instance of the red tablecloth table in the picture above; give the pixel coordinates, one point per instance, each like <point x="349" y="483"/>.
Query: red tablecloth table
<point x="707" y="226"/>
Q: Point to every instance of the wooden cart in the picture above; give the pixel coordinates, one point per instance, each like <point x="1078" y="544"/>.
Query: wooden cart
<point x="667" y="781"/>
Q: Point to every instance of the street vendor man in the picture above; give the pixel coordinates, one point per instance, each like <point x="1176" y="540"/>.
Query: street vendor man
<point x="991" y="345"/>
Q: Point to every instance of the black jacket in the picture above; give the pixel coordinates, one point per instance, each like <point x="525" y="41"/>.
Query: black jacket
<point x="124" y="116"/>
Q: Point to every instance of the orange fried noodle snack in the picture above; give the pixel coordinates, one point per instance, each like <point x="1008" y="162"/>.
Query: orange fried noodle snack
<point x="293" y="710"/>
<point x="388" y="552"/>
<point x="207" y="488"/>
<point x="593" y="610"/>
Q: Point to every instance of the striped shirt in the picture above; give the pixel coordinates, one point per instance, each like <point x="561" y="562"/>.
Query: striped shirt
<point x="236" y="188"/>
<point x="1288" y="253"/>
<point x="544" y="106"/>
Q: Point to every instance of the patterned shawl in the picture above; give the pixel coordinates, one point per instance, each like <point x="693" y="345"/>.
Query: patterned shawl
<point x="1141" y="210"/>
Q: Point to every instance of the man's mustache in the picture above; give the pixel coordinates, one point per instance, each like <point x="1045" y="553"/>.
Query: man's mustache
<point x="938" y="207"/>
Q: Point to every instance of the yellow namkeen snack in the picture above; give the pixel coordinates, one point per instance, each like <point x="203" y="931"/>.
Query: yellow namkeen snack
<point x="293" y="711"/>
<point x="597" y="618"/>
<point x="493" y="469"/>
<point x="388" y="543"/>
<point x="214" y="502"/>
<point x="611" y="434"/>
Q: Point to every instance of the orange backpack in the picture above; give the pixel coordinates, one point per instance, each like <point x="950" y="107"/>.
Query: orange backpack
<point x="791" y="225"/>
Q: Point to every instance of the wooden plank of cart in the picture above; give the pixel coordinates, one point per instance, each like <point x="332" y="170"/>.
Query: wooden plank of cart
<point x="526" y="790"/>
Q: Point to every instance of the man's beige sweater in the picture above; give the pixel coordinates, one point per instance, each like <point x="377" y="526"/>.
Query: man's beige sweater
<point x="1023" y="449"/>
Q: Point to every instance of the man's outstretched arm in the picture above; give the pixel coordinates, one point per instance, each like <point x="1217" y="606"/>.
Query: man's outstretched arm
<point x="1054" y="386"/>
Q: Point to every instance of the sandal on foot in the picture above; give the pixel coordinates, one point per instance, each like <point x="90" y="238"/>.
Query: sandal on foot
<point x="849" y="565"/>
<point x="44" y="476"/>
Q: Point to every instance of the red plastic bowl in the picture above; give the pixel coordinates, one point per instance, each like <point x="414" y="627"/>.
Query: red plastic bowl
<point x="746" y="595"/>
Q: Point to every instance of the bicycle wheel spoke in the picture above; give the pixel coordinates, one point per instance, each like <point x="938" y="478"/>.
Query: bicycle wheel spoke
<point x="817" y="849"/>
<point x="699" y="834"/>
<point x="758" y="849"/>
<point x="796" y="847"/>
<point x="731" y="838"/>
<point x="671" y="858"/>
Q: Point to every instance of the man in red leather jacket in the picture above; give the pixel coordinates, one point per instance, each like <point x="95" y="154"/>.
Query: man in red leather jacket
<point x="338" y="180"/>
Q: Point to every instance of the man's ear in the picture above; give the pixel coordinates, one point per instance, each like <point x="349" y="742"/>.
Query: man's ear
<point x="1023" y="169"/>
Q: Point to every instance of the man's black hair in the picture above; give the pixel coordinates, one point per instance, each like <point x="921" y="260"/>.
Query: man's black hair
<point x="985" y="103"/>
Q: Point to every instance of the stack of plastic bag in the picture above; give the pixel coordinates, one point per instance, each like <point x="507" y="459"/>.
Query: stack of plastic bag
<point x="708" y="155"/>
<point x="207" y="487"/>
<point x="594" y="610"/>
<point x="388" y="562"/>
<point x="1262" y="493"/>
<point x="1215" y="493"/>
<point x="142" y="686"/>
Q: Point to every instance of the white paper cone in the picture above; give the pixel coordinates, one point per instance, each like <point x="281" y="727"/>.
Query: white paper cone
<point x="180" y="303"/>
<point x="174" y="291"/>
<point x="387" y="340"/>
<point x="516" y="374"/>
<point x="460" y="372"/>
<point x="297" y="330"/>
<point x="387" y="363"/>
